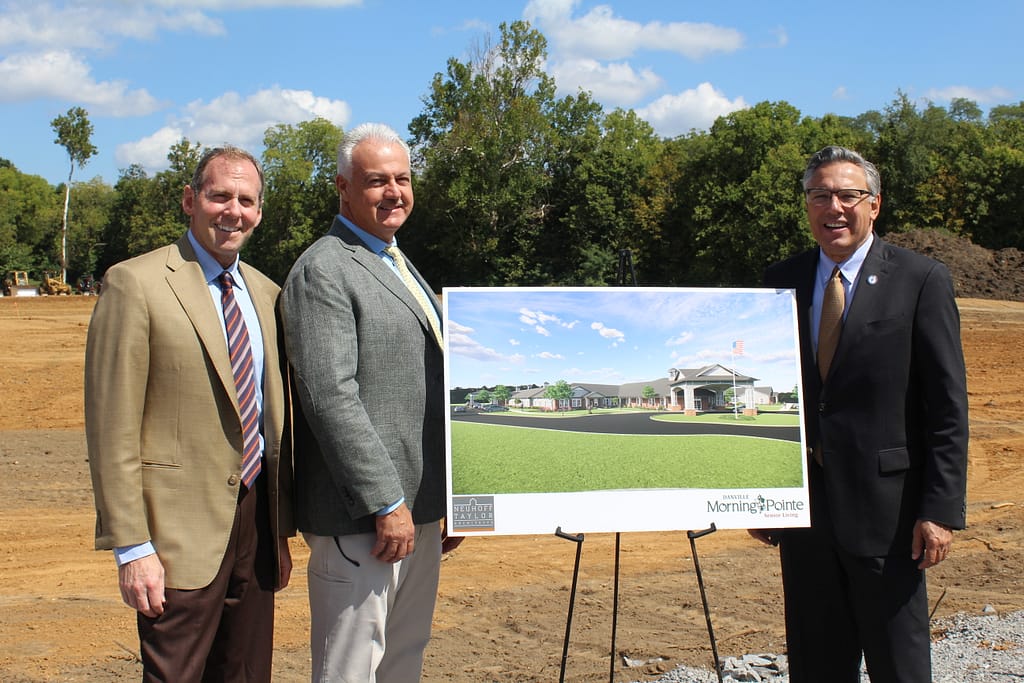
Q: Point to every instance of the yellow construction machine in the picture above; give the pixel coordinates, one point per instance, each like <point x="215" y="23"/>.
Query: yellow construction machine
<point x="16" y="284"/>
<point x="52" y="284"/>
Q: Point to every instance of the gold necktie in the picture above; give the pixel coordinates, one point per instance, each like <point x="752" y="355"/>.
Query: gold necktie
<point x="832" y="305"/>
<point x="414" y="288"/>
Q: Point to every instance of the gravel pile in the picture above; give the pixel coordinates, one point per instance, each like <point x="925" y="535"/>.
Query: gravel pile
<point x="965" y="649"/>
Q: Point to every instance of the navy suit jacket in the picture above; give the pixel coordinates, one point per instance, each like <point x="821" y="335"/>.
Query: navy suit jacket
<point x="891" y="417"/>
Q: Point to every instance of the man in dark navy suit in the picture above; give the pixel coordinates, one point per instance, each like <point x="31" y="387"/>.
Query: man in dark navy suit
<point x="885" y="409"/>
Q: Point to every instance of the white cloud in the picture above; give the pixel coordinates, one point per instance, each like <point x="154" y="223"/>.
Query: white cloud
<point x="463" y="345"/>
<point x="513" y="342"/>
<point x="234" y="119"/>
<point x="61" y="75"/>
<point x="680" y="339"/>
<point x="93" y="25"/>
<point x="840" y="93"/>
<point x="547" y="355"/>
<point x="539" y="319"/>
<point x="602" y="35"/>
<point x="617" y="84"/>
<point x="151" y="151"/>
<point x="697" y="108"/>
<point x="978" y="95"/>
<point x="781" y="36"/>
<point x="611" y="333"/>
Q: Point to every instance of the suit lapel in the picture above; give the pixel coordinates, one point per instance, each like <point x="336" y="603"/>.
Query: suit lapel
<point x="189" y="286"/>
<point x="379" y="270"/>
<point x="871" y="288"/>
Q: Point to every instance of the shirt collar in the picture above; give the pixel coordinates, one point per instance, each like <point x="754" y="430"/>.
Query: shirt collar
<point x="850" y="268"/>
<point x="211" y="268"/>
<point x="374" y="243"/>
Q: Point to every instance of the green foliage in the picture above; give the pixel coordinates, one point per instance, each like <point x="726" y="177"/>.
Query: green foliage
<point x="482" y="145"/>
<point x="300" y="199"/>
<point x="29" y="220"/>
<point x="74" y="133"/>
<point x="501" y="394"/>
<point x="559" y="391"/>
<point x="516" y="186"/>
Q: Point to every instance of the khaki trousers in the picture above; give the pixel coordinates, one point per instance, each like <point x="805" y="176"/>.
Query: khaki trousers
<point x="370" y="620"/>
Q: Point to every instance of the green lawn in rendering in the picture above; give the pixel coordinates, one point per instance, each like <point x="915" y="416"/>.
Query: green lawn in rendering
<point x="502" y="459"/>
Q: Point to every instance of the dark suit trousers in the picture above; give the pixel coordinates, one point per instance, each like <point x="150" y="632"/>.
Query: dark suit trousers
<point x="225" y="631"/>
<point x="839" y="605"/>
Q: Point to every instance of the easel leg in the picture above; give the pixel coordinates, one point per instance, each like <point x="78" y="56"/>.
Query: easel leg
<point x="693" y="535"/>
<point x="578" y="539"/>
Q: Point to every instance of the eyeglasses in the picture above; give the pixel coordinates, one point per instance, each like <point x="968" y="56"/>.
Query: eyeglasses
<point x="848" y="198"/>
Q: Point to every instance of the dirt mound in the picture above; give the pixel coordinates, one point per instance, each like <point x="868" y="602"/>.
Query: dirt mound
<point x="978" y="273"/>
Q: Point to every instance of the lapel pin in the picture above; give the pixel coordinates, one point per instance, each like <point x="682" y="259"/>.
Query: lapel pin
<point x="872" y="279"/>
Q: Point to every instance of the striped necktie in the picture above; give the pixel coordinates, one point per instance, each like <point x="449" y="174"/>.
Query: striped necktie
<point x="414" y="288"/>
<point x="245" y="379"/>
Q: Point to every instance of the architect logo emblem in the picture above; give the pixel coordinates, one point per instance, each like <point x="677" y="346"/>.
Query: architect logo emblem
<point x="472" y="513"/>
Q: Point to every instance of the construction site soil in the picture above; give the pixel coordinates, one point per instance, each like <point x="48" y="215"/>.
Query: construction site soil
<point x="503" y="601"/>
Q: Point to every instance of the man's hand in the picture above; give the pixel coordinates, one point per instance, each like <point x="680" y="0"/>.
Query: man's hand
<point x="931" y="543"/>
<point x="142" y="585"/>
<point x="284" y="561"/>
<point x="396" y="535"/>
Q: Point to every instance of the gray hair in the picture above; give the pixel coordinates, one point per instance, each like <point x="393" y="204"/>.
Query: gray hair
<point x="835" y="154"/>
<point x="227" y="152"/>
<point x="361" y="133"/>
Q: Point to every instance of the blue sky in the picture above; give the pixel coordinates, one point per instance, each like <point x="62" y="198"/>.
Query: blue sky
<point x="225" y="70"/>
<point x="615" y="335"/>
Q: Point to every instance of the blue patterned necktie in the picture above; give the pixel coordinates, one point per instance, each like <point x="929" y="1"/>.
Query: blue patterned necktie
<point x="245" y="379"/>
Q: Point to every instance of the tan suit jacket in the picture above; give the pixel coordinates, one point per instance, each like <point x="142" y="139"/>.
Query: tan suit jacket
<point x="162" y="421"/>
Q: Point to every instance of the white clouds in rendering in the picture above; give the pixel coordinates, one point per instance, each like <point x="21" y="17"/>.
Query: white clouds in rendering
<point x="665" y="327"/>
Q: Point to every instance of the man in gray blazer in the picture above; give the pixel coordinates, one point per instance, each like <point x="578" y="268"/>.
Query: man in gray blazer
<point x="886" y="420"/>
<point x="362" y="337"/>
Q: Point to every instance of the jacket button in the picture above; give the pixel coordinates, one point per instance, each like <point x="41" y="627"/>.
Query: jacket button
<point x="233" y="480"/>
<point x="821" y="407"/>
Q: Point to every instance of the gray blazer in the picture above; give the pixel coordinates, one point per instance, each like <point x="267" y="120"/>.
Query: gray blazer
<point x="368" y="379"/>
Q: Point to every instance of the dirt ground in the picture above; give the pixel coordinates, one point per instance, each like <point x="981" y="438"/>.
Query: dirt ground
<point x="503" y="601"/>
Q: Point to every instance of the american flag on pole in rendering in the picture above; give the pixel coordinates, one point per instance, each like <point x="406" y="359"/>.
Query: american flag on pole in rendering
<point x="737" y="347"/>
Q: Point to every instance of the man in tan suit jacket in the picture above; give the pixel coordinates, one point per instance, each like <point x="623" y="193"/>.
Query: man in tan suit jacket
<point x="199" y="552"/>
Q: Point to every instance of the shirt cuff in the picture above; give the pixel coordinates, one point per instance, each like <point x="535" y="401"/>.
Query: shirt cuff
<point x="127" y="553"/>
<point x="390" y="508"/>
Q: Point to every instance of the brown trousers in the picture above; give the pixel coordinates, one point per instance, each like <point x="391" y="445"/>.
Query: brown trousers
<point x="225" y="631"/>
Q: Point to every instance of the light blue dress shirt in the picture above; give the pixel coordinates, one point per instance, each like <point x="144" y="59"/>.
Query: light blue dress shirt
<point x="849" y="270"/>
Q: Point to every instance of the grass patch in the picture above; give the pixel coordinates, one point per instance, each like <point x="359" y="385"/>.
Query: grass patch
<point x="503" y="459"/>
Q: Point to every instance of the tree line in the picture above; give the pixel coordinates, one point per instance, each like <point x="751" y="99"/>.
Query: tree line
<point x="516" y="186"/>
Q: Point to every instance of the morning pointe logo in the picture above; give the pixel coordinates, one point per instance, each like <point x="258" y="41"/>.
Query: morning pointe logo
<point x="768" y="507"/>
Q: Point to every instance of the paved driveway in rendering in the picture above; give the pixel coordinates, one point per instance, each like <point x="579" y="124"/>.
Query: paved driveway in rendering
<point x="630" y="423"/>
